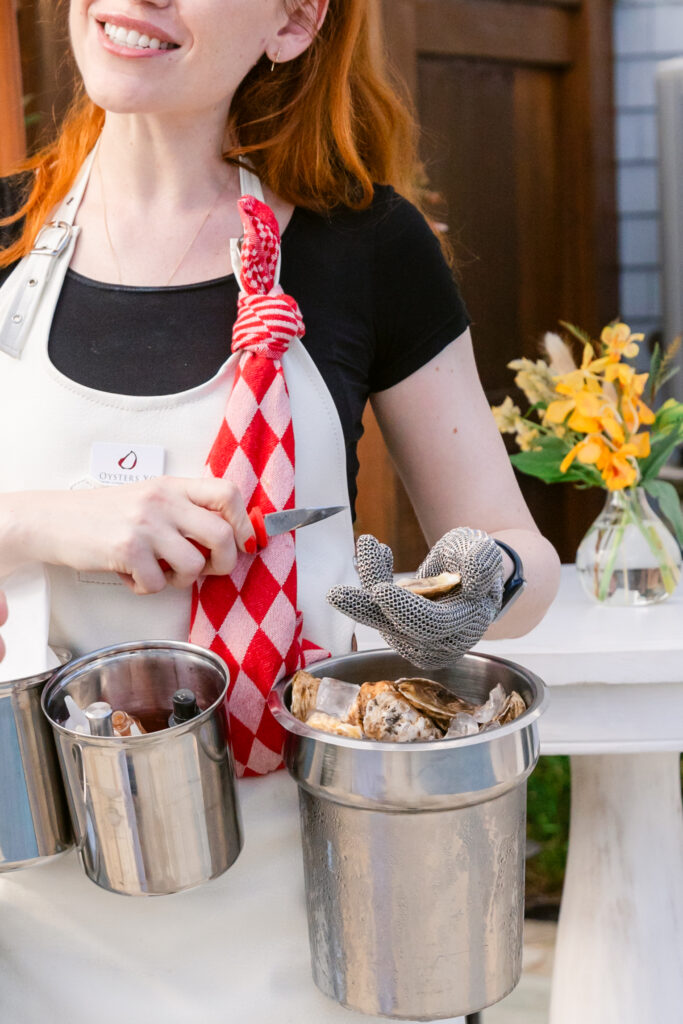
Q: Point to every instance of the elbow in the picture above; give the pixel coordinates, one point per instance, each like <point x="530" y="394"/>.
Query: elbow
<point x="542" y="572"/>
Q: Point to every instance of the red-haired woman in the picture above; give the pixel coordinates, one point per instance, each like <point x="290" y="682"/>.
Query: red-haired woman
<point x="117" y="305"/>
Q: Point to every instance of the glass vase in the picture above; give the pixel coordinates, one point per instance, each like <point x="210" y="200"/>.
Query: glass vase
<point x="629" y="556"/>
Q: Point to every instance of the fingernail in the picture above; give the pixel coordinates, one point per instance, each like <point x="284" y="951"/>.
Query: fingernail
<point x="250" y="545"/>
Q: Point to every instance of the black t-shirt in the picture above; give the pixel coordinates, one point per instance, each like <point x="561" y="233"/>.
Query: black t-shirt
<point x="377" y="298"/>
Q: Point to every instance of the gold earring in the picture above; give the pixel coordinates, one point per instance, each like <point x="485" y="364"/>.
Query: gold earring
<point x="272" y="66"/>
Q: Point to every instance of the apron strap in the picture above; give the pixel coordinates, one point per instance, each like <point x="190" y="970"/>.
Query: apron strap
<point x="54" y="242"/>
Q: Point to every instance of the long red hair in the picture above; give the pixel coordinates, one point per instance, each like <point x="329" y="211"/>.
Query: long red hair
<point x="319" y="130"/>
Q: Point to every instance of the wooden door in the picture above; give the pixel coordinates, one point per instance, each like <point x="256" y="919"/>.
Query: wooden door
<point x="514" y="100"/>
<point x="47" y="66"/>
<point x="12" y="134"/>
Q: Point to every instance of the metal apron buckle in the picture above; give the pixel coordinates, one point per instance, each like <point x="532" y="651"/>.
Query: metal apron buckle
<point x="62" y="242"/>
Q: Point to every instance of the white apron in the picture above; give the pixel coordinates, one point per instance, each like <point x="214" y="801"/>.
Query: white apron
<point x="236" y="949"/>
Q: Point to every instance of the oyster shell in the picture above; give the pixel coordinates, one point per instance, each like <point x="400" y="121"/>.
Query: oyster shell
<point x="433" y="699"/>
<point x="304" y="694"/>
<point x="432" y="586"/>
<point x="328" y="723"/>
<point x="390" y="718"/>
<point x="514" y="707"/>
<point x="367" y="692"/>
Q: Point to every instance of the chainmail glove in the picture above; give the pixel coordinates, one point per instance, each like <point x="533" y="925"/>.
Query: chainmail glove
<point x="428" y="633"/>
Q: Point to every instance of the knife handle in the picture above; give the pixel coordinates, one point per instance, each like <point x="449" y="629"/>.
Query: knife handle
<point x="257" y="521"/>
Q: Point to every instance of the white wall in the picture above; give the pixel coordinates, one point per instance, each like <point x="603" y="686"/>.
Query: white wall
<point x="645" y="32"/>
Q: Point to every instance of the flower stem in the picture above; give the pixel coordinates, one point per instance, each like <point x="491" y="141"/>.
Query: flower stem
<point x="606" y="575"/>
<point x="670" y="573"/>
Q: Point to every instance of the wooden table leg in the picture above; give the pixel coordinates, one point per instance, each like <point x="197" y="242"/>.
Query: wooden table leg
<point x="619" y="953"/>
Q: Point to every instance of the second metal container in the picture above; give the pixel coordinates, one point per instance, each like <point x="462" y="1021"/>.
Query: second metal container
<point x="414" y="852"/>
<point x="157" y="813"/>
<point x="34" y="819"/>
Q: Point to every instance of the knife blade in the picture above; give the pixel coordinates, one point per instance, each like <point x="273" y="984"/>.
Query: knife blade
<point x="272" y="524"/>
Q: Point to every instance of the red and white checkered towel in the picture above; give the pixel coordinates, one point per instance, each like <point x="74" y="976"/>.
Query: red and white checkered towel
<point x="250" y="618"/>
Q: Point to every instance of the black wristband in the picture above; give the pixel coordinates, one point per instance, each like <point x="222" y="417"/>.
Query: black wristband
<point x="515" y="584"/>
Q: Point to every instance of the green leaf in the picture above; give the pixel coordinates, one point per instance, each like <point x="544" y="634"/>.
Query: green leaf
<point x="545" y="464"/>
<point x="578" y="333"/>
<point x="668" y="365"/>
<point x="655" y="363"/>
<point x="660" y="452"/>
<point x="669" y="502"/>
<point x="667" y="418"/>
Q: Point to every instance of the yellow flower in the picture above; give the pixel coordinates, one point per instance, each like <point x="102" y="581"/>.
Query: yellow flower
<point x="592" y="414"/>
<point x="534" y="379"/>
<point x="588" y="412"/>
<point x="591" y="450"/>
<point x="506" y="416"/>
<point x="620" y="468"/>
<point x="619" y="342"/>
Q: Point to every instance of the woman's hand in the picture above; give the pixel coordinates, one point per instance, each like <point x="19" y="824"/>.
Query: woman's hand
<point x="3" y="620"/>
<point x="129" y="529"/>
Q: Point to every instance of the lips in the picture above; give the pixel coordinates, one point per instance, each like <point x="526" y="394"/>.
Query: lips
<point x="144" y="29"/>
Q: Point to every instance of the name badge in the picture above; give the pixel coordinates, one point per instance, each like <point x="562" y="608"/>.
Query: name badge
<point x="112" y="463"/>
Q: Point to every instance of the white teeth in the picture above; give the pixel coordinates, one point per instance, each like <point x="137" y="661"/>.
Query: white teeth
<point x="129" y="37"/>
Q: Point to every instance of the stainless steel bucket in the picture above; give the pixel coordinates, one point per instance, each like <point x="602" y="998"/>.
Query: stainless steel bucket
<point x="34" y="819"/>
<point x="157" y="813"/>
<point x="414" y="853"/>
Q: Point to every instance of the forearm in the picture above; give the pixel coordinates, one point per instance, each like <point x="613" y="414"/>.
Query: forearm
<point x="542" y="573"/>
<point x="16" y="531"/>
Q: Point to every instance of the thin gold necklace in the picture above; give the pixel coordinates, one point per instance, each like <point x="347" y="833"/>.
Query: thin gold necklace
<point x="182" y="258"/>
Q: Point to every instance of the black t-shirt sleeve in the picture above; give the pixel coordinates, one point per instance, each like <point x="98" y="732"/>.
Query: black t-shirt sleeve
<point x="418" y="309"/>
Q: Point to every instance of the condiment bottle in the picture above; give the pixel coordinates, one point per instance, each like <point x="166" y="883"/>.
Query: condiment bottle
<point x="99" y="718"/>
<point x="126" y="725"/>
<point x="185" y="707"/>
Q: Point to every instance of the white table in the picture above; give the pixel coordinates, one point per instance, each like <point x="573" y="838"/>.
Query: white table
<point x="616" y="708"/>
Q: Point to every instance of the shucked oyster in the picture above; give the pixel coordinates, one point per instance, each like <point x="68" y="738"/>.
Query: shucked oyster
<point x="432" y="586"/>
<point x="433" y="699"/>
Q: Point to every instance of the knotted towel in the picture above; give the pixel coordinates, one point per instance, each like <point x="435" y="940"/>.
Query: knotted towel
<point x="250" y="618"/>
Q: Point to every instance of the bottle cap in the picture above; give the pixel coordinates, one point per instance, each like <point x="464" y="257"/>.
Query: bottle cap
<point x="184" y="706"/>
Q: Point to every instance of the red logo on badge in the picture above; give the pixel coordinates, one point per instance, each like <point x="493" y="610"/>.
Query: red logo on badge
<point x="129" y="461"/>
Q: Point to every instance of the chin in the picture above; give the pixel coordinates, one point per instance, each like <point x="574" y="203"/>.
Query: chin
<point x="125" y="98"/>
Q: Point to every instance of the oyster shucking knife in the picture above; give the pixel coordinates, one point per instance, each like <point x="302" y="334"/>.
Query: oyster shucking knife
<point x="274" y="523"/>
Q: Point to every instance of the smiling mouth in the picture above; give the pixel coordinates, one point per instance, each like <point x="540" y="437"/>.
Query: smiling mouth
<point x="134" y="40"/>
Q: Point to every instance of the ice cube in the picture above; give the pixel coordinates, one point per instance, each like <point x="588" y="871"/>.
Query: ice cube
<point x="462" y="725"/>
<point x="485" y="713"/>
<point x="335" y="697"/>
